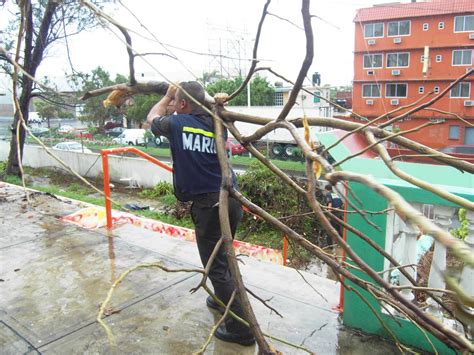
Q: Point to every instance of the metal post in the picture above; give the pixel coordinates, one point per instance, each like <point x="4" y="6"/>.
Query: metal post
<point x="108" y="204"/>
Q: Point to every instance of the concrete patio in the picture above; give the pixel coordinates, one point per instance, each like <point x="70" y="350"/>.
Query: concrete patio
<point x="54" y="275"/>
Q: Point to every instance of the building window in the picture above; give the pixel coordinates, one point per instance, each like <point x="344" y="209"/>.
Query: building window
<point x="373" y="30"/>
<point x="426" y="27"/>
<point x="399" y="28"/>
<point x="439" y="58"/>
<point x="464" y="23"/>
<point x="441" y="26"/>
<point x="317" y="97"/>
<point x="454" y="132"/>
<point x="462" y="57"/>
<point x="370" y="90"/>
<point x="278" y="98"/>
<point x="373" y="60"/>
<point x="397" y="60"/>
<point x="436" y="89"/>
<point x="461" y="90"/>
<point x="395" y="90"/>
<point x="421" y="90"/>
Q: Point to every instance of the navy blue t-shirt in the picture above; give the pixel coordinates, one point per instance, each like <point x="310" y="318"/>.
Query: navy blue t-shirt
<point x="334" y="199"/>
<point x="193" y="148"/>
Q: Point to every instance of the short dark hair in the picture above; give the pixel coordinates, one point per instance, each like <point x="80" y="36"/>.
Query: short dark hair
<point x="195" y="90"/>
<point x="328" y="187"/>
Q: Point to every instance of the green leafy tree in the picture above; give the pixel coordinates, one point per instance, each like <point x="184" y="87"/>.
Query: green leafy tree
<point x="93" y="109"/>
<point x="142" y="105"/>
<point x="261" y="93"/>
<point x="45" y="23"/>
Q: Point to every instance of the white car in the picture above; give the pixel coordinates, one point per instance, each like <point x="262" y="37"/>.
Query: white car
<point x="65" y="129"/>
<point x="72" y="147"/>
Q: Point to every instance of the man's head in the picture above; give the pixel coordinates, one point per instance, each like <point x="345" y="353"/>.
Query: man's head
<point x="328" y="187"/>
<point x="182" y="103"/>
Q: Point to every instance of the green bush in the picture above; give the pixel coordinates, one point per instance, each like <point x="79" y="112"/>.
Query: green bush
<point x="269" y="192"/>
<point x="3" y="167"/>
<point x="161" y="189"/>
<point x="462" y="231"/>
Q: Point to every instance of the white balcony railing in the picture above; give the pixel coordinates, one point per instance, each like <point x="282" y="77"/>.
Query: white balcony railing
<point x="407" y="245"/>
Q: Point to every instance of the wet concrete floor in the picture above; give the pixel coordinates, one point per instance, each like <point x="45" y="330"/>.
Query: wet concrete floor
<point x="54" y="275"/>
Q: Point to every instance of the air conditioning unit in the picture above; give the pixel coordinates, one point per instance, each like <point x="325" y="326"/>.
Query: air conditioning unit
<point x="397" y="40"/>
<point x="370" y="72"/>
<point x="394" y="102"/>
<point x="468" y="103"/>
<point x="396" y="72"/>
<point x="369" y="102"/>
<point x="471" y="35"/>
<point x="371" y="42"/>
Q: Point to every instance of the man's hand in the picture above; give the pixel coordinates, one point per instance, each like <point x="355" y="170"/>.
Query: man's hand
<point x="171" y="91"/>
<point x="221" y="98"/>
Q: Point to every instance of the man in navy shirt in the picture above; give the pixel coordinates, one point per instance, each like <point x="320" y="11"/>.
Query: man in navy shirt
<point x="197" y="178"/>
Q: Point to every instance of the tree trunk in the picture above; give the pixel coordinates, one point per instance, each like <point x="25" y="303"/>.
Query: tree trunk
<point x="32" y="59"/>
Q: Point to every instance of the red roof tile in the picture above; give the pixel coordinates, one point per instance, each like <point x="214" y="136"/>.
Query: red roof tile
<point x="413" y="9"/>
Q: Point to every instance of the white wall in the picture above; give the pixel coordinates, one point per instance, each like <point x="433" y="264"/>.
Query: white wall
<point x="278" y="134"/>
<point x="90" y="164"/>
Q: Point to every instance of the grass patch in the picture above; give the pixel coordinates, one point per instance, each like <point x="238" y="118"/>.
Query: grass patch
<point x="55" y="190"/>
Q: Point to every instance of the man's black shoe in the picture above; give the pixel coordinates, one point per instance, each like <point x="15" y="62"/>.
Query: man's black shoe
<point x="214" y="305"/>
<point x="245" y="339"/>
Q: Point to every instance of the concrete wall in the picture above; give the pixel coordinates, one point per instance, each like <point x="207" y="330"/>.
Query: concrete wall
<point x="90" y="164"/>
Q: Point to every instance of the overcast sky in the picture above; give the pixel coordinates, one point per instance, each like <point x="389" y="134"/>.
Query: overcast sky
<point x="217" y="26"/>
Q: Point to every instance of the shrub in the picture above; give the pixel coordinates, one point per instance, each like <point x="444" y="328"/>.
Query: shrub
<point x="161" y="189"/>
<point x="462" y="231"/>
<point x="268" y="191"/>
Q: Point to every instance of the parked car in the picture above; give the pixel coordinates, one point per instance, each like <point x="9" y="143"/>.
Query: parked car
<point x="39" y="131"/>
<point x="112" y="124"/>
<point x="234" y="147"/>
<point x="65" y="129"/>
<point x="458" y="149"/>
<point x="114" y="132"/>
<point x="72" y="147"/>
<point x="133" y="136"/>
<point x="160" y="140"/>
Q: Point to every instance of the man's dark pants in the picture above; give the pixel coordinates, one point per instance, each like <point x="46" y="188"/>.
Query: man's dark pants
<point x="205" y="215"/>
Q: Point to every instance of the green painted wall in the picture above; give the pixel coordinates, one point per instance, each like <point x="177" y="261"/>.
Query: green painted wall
<point x="356" y="313"/>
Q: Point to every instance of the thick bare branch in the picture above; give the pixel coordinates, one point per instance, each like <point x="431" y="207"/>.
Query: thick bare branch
<point x="413" y="180"/>
<point x="308" y="60"/>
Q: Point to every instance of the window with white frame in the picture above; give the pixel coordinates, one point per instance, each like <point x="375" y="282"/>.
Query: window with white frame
<point x="464" y="23"/>
<point x="426" y="27"/>
<point x="373" y="30"/>
<point x="278" y="98"/>
<point x="462" y="57"/>
<point x="397" y="60"/>
<point x="436" y="89"/>
<point x="441" y="26"/>
<point x="373" y="61"/>
<point x="399" y="28"/>
<point x="421" y="90"/>
<point x="396" y="90"/>
<point x="461" y="90"/>
<point x="439" y="58"/>
<point x="370" y="90"/>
